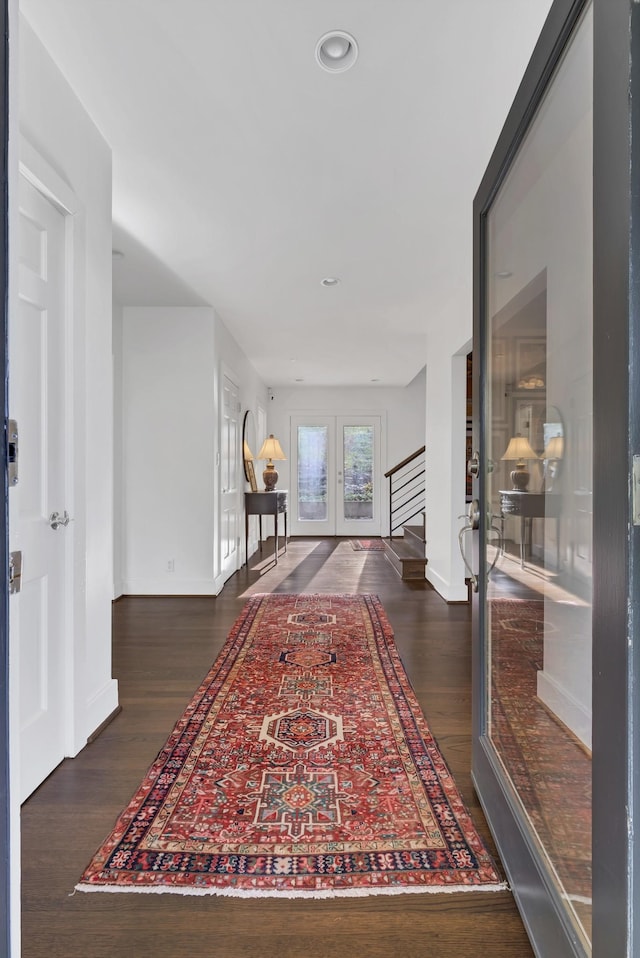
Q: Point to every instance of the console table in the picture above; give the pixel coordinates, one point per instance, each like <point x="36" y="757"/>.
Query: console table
<point x="528" y="505"/>
<point x="265" y="504"/>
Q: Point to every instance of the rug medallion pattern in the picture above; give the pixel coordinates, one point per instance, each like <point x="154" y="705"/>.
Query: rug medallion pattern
<point x="302" y="767"/>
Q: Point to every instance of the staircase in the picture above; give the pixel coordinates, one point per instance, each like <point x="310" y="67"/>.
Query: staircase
<point x="407" y="554"/>
<point x="406" y="511"/>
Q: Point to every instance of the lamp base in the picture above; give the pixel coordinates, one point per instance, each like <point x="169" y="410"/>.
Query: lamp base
<point x="520" y="479"/>
<point x="270" y="478"/>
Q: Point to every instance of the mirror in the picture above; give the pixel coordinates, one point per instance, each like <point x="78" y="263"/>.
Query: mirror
<point x="554" y="443"/>
<point x="248" y="448"/>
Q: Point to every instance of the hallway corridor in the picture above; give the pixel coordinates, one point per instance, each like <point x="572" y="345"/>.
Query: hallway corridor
<point x="163" y="646"/>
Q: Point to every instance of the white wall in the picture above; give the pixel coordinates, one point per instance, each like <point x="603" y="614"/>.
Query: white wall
<point x="53" y="122"/>
<point x="172" y="358"/>
<point x="402" y="409"/>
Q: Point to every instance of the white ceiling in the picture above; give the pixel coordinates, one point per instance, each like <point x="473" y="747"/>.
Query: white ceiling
<point x="243" y="173"/>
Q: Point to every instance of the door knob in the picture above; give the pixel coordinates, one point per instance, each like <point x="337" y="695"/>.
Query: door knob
<point x="472" y="521"/>
<point x="471" y="524"/>
<point x="56" y="520"/>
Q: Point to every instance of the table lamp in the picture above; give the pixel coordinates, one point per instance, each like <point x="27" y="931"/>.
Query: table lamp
<point x="270" y="450"/>
<point x="519" y="450"/>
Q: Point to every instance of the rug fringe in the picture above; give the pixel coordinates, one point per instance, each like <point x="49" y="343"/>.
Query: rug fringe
<point x="290" y="893"/>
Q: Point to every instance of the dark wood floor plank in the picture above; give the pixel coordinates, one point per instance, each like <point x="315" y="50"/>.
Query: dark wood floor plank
<point x="163" y="648"/>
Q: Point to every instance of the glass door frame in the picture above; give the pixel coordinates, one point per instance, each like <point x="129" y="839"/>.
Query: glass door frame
<point x="616" y="540"/>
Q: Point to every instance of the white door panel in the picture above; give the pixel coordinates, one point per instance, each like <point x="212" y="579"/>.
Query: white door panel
<point x="37" y="368"/>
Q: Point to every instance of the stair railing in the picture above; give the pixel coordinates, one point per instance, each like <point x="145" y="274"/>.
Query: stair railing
<point x="406" y="490"/>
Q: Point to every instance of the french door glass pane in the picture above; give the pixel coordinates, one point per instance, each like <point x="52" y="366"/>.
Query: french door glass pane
<point x="538" y="456"/>
<point x="313" y="453"/>
<point x="358" y="472"/>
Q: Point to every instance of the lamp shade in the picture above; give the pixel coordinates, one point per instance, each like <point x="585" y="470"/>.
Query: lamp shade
<point x="554" y="448"/>
<point x="246" y="452"/>
<point x="519" y="449"/>
<point x="271" y="449"/>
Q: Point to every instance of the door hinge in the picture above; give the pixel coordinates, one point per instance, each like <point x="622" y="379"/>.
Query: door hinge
<point x="635" y="490"/>
<point x="12" y="451"/>
<point x="15" y="572"/>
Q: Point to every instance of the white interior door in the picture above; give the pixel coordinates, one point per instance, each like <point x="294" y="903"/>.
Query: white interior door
<point x="335" y="468"/>
<point x="230" y="460"/>
<point x="37" y="355"/>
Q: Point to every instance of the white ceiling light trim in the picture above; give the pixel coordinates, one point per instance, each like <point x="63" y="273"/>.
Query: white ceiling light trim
<point x="336" y="51"/>
<point x="329" y="281"/>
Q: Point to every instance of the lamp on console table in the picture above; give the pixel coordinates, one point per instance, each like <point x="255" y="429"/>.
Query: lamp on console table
<point x="519" y="450"/>
<point x="270" y="450"/>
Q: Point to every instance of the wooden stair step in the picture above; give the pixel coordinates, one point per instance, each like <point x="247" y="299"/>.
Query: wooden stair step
<point x="404" y="559"/>
<point x="414" y="538"/>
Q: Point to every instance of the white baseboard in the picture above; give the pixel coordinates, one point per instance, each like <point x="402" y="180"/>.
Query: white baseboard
<point x="98" y="708"/>
<point x="169" y="585"/>
<point x="456" y="592"/>
<point x="570" y="712"/>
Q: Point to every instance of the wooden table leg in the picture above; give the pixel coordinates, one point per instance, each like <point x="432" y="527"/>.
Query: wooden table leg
<point x="275" y="535"/>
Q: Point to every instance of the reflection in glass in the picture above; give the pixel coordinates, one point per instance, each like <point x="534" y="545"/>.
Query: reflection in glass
<point x="538" y="429"/>
<point x="312" y="473"/>
<point x="358" y="460"/>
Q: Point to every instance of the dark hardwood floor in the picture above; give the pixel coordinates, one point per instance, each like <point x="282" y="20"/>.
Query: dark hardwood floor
<point x="163" y="647"/>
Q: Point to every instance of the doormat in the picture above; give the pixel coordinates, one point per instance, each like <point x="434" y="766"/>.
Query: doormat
<point x="303" y="767"/>
<point x="367" y="545"/>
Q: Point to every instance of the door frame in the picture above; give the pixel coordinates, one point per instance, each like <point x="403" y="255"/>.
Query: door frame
<point x="616" y="598"/>
<point x="226" y="372"/>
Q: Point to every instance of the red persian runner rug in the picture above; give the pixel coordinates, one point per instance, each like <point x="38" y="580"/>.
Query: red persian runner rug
<point x="302" y="767"/>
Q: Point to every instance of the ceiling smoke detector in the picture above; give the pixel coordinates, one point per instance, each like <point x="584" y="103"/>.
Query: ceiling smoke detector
<point x="336" y="51"/>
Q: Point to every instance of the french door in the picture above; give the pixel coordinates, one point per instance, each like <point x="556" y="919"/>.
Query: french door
<point x="335" y="475"/>
<point x="557" y="434"/>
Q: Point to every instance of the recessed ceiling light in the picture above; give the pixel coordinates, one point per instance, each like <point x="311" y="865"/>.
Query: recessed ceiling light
<point x="117" y="254"/>
<point x="336" y="51"/>
<point x="299" y="380"/>
<point x="375" y="380"/>
<point x="329" y="281"/>
<point x="504" y="274"/>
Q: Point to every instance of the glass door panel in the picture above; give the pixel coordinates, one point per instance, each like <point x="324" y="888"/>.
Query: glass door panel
<point x="536" y="604"/>
<point x="357" y="469"/>
<point x="313" y="461"/>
